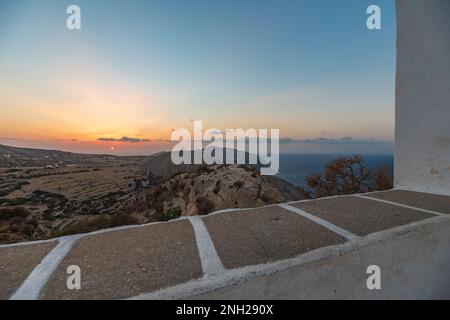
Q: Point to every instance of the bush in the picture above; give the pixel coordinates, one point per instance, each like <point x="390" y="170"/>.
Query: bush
<point x="4" y="193"/>
<point x="172" y="213"/>
<point x="159" y="190"/>
<point x="18" y="212"/>
<point x="17" y="202"/>
<point x="33" y="221"/>
<point x="217" y="187"/>
<point x="121" y="219"/>
<point x="204" y="206"/>
<point x="48" y="216"/>
<point x="98" y="223"/>
<point x="21" y="223"/>
<point x="28" y="230"/>
<point x="348" y="175"/>
<point x="14" y="227"/>
<point x="238" y="184"/>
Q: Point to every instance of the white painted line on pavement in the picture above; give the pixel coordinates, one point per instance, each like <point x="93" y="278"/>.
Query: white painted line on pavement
<point x="37" y="279"/>
<point x="211" y="263"/>
<point x="402" y="205"/>
<point x="346" y="234"/>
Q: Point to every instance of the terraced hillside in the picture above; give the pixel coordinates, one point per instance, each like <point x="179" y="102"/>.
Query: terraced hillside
<point x="45" y="194"/>
<point x="57" y="194"/>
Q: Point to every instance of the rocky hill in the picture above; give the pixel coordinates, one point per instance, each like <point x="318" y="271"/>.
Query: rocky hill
<point x="161" y="164"/>
<point x="212" y="188"/>
<point x="46" y="193"/>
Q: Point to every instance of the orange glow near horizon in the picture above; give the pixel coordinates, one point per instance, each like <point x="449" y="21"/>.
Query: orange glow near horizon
<point x="66" y="89"/>
<point x="85" y="108"/>
<point x="90" y="100"/>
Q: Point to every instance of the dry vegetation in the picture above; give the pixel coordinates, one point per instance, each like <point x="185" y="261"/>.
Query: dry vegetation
<point x="348" y="175"/>
<point x="46" y="194"/>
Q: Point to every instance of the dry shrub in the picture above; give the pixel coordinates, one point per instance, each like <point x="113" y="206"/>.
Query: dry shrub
<point x="348" y="175"/>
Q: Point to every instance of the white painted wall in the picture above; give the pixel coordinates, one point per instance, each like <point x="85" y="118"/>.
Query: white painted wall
<point x="422" y="152"/>
<point x="413" y="260"/>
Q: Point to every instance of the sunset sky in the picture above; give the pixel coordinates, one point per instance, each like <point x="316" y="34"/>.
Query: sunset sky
<point x="139" y="69"/>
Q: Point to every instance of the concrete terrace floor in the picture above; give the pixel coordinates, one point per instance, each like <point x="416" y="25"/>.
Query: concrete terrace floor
<point x="240" y="253"/>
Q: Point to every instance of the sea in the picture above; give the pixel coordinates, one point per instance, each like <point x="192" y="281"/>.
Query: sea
<point x="295" y="168"/>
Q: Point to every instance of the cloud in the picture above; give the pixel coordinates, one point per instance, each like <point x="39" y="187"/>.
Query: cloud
<point x="124" y="139"/>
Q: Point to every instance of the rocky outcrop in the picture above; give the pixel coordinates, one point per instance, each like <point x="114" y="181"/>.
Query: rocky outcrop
<point x="212" y="188"/>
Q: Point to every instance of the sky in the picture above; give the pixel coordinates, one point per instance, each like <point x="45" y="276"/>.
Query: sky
<point x="139" y="69"/>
